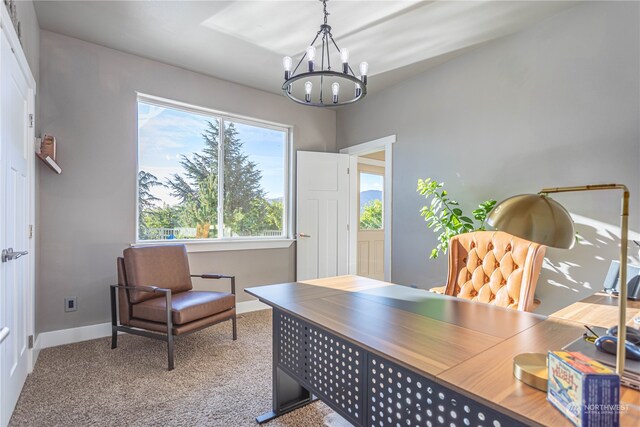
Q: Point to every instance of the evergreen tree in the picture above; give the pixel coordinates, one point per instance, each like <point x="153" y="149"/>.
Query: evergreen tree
<point x="164" y="217"/>
<point x="243" y="195"/>
<point x="202" y="208"/>
<point x="146" y="200"/>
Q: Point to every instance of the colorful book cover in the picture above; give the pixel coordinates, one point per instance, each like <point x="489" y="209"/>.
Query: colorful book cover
<point x="584" y="390"/>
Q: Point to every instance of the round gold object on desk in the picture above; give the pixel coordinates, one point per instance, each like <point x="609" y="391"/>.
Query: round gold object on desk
<point x="531" y="369"/>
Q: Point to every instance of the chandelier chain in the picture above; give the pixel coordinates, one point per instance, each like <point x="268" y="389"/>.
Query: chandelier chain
<point x="324" y="7"/>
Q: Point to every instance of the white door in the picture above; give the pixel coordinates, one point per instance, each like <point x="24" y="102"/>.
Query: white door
<point x="322" y="215"/>
<point x="14" y="216"/>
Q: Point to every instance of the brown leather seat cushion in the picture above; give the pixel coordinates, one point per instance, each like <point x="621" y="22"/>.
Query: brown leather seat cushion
<point x="185" y="306"/>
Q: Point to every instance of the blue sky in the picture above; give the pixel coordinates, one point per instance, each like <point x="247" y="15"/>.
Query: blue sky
<point x="369" y="181"/>
<point x="164" y="134"/>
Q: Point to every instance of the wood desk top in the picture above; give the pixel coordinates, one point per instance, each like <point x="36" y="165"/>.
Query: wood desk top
<point x="465" y="346"/>
<point x="425" y="332"/>
<point x="599" y="309"/>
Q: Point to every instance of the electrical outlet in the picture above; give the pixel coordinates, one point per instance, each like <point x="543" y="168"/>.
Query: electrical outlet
<point x="70" y="304"/>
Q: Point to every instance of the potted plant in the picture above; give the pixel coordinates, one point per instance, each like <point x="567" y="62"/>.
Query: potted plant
<point x="444" y="216"/>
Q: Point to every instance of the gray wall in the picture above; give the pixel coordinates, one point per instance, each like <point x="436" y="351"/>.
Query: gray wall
<point x="88" y="101"/>
<point x="557" y="104"/>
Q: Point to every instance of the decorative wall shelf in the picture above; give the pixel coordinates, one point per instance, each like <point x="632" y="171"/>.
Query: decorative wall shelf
<point x="50" y="163"/>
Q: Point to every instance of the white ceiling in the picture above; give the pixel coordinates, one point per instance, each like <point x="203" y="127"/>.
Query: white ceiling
<point x="244" y="41"/>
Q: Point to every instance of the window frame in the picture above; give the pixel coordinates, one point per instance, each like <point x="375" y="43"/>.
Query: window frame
<point x="223" y="243"/>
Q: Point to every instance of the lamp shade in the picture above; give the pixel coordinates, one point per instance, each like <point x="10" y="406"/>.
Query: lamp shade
<point x="534" y="217"/>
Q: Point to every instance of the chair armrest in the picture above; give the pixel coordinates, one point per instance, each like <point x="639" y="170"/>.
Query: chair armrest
<point x="439" y="290"/>
<point x="150" y="289"/>
<point x="212" y="276"/>
<point x="535" y="304"/>
<point x="218" y="276"/>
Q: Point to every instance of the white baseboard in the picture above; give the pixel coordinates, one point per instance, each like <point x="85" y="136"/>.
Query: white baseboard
<point x="35" y="353"/>
<point x="70" y="336"/>
<point x="253" y="305"/>
<point x="100" y="330"/>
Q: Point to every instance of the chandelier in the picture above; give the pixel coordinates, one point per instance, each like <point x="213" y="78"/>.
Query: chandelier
<point x="324" y="87"/>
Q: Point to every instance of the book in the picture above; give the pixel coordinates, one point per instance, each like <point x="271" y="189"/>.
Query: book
<point x="584" y="390"/>
<point x="48" y="147"/>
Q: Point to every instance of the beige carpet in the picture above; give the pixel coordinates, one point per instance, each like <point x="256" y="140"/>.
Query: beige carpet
<point x="217" y="382"/>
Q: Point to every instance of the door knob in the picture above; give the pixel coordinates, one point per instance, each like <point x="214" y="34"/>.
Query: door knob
<point x="9" y="254"/>
<point x="303" y="235"/>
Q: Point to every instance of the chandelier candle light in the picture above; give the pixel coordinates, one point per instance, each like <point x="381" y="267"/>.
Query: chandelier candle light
<point x="317" y="75"/>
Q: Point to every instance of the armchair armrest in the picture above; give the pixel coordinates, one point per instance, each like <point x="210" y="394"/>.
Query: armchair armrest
<point x="439" y="290"/>
<point x="219" y="276"/>
<point x="151" y="289"/>
<point x="535" y="304"/>
<point x="142" y="288"/>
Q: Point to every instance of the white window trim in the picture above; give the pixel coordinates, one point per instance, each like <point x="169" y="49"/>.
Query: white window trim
<point x="226" y="243"/>
<point x="218" y="245"/>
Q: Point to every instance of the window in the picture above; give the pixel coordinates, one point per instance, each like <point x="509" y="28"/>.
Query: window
<point x="185" y="192"/>
<point x="371" y="187"/>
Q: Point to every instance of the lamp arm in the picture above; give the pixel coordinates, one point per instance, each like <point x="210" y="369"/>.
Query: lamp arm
<point x="584" y="188"/>
<point x="624" y="236"/>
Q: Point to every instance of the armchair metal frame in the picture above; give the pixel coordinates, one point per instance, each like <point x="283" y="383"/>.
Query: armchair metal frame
<point x="169" y="336"/>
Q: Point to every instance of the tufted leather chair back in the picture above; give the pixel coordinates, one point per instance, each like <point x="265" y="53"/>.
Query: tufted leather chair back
<point x="495" y="268"/>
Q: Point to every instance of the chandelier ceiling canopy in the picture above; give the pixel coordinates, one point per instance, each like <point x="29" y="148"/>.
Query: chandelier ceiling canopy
<point x="317" y="84"/>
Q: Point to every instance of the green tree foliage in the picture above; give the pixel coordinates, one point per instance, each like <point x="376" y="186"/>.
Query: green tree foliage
<point x="246" y="210"/>
<point x="146" y="200"/>
<point x="201" y="208"/>
<point x="275" y="212"/>
<point x="164" y="217"/>
<point x="444" y="215"/>
<point x="243" y="193"/>
<point x="197" y="167"/>
<point x="371" y="216"/>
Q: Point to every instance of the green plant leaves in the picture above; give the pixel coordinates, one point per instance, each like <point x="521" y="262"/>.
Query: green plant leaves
<point x="443" y="218"/>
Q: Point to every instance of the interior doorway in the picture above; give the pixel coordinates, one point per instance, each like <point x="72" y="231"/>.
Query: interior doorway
<point x="370" y="208"/>
<point x="370" y="194"/>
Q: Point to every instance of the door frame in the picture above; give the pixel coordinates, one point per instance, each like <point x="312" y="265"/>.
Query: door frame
<point x="381" y="144"/>
<point x="31" y="162"/>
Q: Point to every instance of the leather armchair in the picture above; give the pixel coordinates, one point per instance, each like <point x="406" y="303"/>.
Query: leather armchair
<point x="155" y="297"/>
<point x="494" y="267"/>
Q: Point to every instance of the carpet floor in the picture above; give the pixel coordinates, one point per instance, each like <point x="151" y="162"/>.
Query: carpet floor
<point x="216" y="382"/>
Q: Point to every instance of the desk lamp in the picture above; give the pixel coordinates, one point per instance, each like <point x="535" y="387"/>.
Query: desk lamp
<point x="540" y="219"/>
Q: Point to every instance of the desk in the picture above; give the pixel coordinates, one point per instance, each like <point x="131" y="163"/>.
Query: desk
<point x="599" y="309"/>
<point x="381" y="354"/>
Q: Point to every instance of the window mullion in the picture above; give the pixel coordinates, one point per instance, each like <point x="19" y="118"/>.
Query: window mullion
<point x="221" y="178"/>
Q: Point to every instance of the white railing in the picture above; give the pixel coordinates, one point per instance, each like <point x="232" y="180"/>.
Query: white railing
<point x="264" y="233"/>
<point x="190" y="233"/>
<point x="170" y="233"/>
